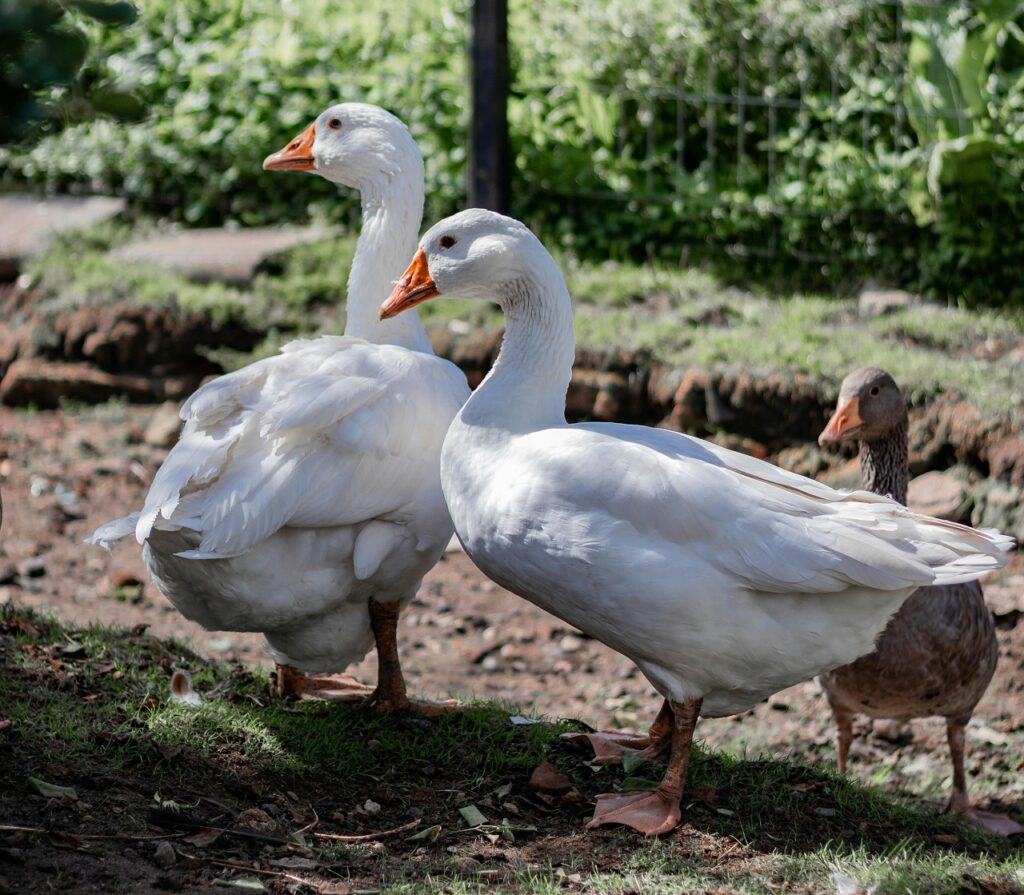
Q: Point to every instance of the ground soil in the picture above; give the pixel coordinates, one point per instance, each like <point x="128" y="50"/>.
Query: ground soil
<point x="65" y="472"/>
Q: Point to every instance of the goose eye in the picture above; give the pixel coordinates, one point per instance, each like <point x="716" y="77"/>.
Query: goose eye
<point x="446" y="242"/>
<point x="334" y="124"/>
<point x="874" y="390"/>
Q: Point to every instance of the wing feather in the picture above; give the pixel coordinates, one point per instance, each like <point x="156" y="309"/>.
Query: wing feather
<point x="331" y="431"/>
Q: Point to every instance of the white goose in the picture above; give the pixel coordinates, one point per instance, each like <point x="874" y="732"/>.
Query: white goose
<point x="723" y="577"/>
<point x="303" y="499"/>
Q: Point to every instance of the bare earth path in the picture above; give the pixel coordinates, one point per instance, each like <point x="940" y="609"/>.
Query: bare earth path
<point x="62" y="473"/>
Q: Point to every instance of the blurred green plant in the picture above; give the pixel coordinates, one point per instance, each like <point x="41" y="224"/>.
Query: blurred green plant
<point x="876" y="138"/>
<point x="42" y="50"/>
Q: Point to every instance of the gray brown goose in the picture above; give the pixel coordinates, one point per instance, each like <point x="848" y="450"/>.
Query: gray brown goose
<point x="938" y="653"/>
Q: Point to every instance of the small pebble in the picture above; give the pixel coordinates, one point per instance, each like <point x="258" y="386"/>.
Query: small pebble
<point x="164" y="855"/>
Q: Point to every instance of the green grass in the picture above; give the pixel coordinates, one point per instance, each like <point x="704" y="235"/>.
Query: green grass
<point x="92" y="705"/>
<point x="679" y="317"/>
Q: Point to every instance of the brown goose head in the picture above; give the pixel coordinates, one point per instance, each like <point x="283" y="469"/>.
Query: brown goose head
<point x="870" y="408"/>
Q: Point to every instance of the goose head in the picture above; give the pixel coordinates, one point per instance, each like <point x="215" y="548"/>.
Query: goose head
<point x="870" y="407"/>
<point x="354" y="144"/>
<point x="475" y="254"/>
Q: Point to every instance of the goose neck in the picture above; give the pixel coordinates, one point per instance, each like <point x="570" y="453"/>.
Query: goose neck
<point x="526" y="387"/>
<point x="884" y="465"/>
<point x="391" y="214"/>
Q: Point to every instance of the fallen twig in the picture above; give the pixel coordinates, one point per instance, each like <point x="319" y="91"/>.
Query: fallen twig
<point x="280" y="874"/>
<point x="162" y="817"/>
<point x="10" y="828"/>
<point x="368" y="837"/>
<point x="314" y="823"/>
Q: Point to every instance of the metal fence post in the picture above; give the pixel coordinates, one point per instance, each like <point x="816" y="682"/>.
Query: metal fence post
<point x="488" y="130"/>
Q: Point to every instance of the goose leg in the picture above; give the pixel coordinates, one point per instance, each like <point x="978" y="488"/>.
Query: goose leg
<point x="610" y="745"/>
<point x="389" y="695"/>
<point x="844" y="736"/>
<point x="959" y="801"/>
<point x="334" y="687"/>
<point x="657" y="812"/>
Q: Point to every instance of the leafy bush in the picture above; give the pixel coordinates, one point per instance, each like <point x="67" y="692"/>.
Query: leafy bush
<point x="42" y="50"/>
<point x="824" y="141"/>
<point x="227" y="82"/>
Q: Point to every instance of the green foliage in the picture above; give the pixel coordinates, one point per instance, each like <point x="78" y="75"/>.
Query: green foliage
<point x="228" y="82"/>
<point x="42" y="49"/>
<point x="815" y="143"/>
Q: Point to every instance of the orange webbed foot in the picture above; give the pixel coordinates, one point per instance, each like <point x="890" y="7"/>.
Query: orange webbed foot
<point x="652" y="813"/>
<point x="993" y="823"/>
<point x="331" y="687"/>
<point x="610" y="745"/>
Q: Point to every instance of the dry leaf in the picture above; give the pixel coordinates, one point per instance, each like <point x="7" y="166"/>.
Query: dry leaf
<point x="204" y="838"/>
<point x="51" y="790"/>
<point x="546" y="778"/>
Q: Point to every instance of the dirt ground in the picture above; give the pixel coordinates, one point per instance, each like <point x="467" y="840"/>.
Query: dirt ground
<point x="64" y="472"/>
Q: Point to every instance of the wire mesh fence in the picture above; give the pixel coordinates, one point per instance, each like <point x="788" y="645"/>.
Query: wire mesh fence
<point x="707" y="110"/>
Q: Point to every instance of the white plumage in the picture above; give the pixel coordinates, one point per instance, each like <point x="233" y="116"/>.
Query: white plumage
<point x="308" y="483"/>
<point x="723" y="577"/>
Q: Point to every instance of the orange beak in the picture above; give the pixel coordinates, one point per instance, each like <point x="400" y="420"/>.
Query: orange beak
<point x="415" y="286"/>
<point x="296" y="156"/>
<point x="844" y="423"/>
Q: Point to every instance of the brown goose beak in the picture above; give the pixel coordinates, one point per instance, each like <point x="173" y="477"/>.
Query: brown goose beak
<point x="844" y="423"/>
<point x="414" y="287"/>
<point x="296" y="156"/>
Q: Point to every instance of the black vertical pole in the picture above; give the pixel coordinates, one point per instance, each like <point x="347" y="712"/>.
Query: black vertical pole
<point x="488" y="129"/>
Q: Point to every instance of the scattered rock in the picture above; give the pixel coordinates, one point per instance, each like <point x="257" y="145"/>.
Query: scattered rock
<point x="163" y="429"/>
<point x="1004" y="593"/>
<point x="369" y="808"/>
<point x="465" y="865"/>
<point x="42" y="383"/>
<point x="940" y="494"/>
<point x="804" y="459"/>
<point x="876" y="302"/>
<point x="33" y="567"/>
<point x="229" y="256"/>
<point x="29" y="223"/>
<point x="845" y="477"/>
<point x="738" y="443"/>
<point x="1006" y="459"/>
<point x="164" y="855"/>
<point x="570" y="643"/>
<point x="999" y="505"/>
<point x="892" y="731"/>
<point x="257" y="820"/>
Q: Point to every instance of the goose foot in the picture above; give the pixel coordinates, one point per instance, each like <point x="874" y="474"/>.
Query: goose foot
<point x="656" y="812"/>
<point x="611" y="745"/>
<point x="959" y="801"/>
<point x="651" y="813"/>
<point x="991" y="822"/>
<point x="390" y="703"/>
<point x="389" y="696"/>
<point x="330" y="687"/>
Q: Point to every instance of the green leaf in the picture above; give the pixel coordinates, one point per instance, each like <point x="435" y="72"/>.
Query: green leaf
<point x="473" y="816"/>
<point x="637" y="784"/>
<point x="126" y="107"/>
<point x="52" y="790"/>
<point x="631" y="761"/>
<point x="118" y="12"/>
